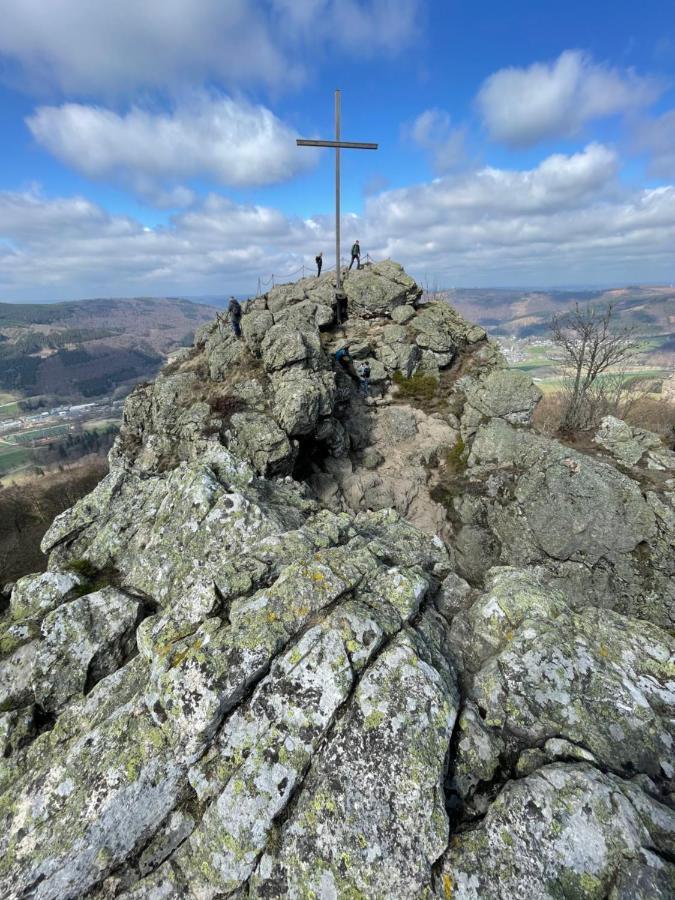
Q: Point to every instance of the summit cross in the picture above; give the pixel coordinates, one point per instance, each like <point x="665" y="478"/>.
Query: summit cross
<point x="338" y="145"/>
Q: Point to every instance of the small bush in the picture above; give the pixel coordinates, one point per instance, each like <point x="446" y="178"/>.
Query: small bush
<point x="456" y="458"/>
<point x="418" y="387"/>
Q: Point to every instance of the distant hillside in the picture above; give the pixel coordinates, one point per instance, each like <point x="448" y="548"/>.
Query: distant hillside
<point x="526" y="314"/>
<point x="87" y="348"/>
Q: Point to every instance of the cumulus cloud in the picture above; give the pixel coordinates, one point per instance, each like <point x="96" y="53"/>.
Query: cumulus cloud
<point x="106" y="48"/>
<point x="218" y="138"/>
<point x="656" y="137"/>
<point x="569" y="220"/>
<point x="76" y="45"/>
<point x="523" y="106"/>
<point x="433" y="132"/>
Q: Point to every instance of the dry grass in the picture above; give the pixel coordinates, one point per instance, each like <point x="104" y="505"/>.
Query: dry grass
<point x="650" y="412"/>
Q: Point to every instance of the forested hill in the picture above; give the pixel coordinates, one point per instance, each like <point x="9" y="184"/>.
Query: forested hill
<point x="522" y="313"/>
<point x="89" y="347"/>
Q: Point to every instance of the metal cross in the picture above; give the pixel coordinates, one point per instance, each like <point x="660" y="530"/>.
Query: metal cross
<point x="338" y="144"/>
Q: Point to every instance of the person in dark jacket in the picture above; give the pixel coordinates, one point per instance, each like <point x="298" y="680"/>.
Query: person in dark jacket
<point x="319" y="263"/>
<point x="234" y="309"/>
<point x="356" y="255"/>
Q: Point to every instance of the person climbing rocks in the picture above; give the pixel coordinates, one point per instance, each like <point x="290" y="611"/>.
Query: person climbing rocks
<point x="319" y="262"/>
<point x="234" y="308"/>
<point x="346" y="362"/>
<point x="343" y="358"/>
<point x="356" y="255"/>
<point x="364" y="378"/>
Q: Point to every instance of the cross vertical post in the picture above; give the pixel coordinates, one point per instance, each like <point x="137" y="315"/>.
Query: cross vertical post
<point x="337" y="144"/>
<point x="338" y="284"/>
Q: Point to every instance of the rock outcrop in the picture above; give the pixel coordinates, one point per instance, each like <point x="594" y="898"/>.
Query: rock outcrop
<point x="305" y="643"/>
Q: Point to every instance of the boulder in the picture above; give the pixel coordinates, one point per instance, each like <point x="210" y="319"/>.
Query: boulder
<point x="286" y="345"/>
<point x="565" y="831"/>
<point x="630" y="445"/>
<point x="504" y="393"/>
<point x="376" y="290"/>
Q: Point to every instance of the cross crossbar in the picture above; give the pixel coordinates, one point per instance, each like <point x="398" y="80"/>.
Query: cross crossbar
<point x="338" y="145"/>
<point x="348" y="145"/>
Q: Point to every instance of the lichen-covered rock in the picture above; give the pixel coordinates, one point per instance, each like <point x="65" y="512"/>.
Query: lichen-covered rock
<point x="254" y="326"/>
<point x="83" y="641"/>
<point x="378" y="289"/>
<point x="284" y="345"/>
<point x="503" y="393"/>
<point x="589" y="523"/>
<point x="566" y="831"/>
<point x="301" y="398"/>
<point x="36" y="595"/>
<point x="258" y="438"/>
<point x="371" y="820"/>
<point x="629" y="445"/>
<point x="596" y="679"/>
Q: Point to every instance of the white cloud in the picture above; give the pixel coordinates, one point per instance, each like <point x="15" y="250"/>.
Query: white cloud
<point x="103" y="48"/>
<point x="77" y="45"/>
<point x="656" y="137"/>
<point x="432" y="131"/>
<point x="523" y="106"/>
<point x="217" y="138"/>
<point x="360" y="27"/>
<point x="569" y="220"/>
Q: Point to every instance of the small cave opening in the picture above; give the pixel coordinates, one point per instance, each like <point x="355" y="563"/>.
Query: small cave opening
<point x="311" y="454"/>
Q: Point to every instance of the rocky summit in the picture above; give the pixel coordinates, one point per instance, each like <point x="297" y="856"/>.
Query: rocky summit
<point x="306" y="643"/>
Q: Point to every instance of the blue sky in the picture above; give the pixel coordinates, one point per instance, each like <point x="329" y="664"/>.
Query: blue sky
<point x="150" y="148"/>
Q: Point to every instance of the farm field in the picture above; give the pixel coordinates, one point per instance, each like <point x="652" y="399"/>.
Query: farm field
<point x="12" y="457"/>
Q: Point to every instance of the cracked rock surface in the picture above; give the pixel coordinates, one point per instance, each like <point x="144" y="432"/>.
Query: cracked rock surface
<point x="301" y="643"/>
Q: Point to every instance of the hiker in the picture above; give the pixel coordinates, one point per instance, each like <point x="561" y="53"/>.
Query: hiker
<point x="364" y="378"/>
<point x="319" y="262"/>
<point x="234" y="309"/>
<point x="343" y="358"/>
<point x="356" y="255"/>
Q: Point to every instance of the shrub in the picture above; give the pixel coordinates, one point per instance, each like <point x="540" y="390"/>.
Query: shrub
<point x="418" y="387"/>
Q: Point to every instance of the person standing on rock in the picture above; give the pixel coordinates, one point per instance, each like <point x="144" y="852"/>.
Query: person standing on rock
<point x="356" y="255"/>
<point x="234" y="309"/>
<point x="319" y="262"/>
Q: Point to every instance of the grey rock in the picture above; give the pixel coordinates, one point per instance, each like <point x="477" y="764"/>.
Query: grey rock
<point x="376" y="290"/>
<point x="402" y="314"/>
<point x="254" y="327"/>
<point x="629" y="445"/>
<point x="36" y="595"/>
<point x="257" y="438"/>
<point x="504" y="393"/>
<point x="573" y="831"/>
<point x="83" y="641"/>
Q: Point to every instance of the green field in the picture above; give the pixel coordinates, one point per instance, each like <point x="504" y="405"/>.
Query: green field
<point x="9" y="410"/>
<point x="36" y="433"/>
<point x="11" y="457"/>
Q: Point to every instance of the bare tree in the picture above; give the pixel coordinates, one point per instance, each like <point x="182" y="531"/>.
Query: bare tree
<point x="590" y="345"/>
